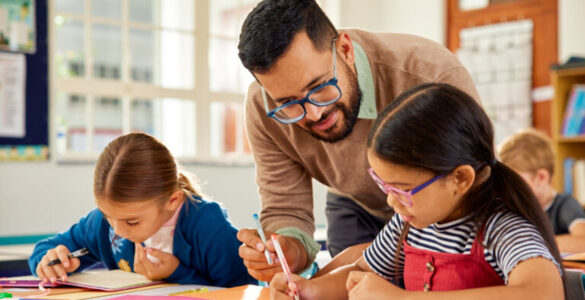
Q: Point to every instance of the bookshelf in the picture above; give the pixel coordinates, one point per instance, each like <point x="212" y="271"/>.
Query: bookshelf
<point x="563" y="80"/>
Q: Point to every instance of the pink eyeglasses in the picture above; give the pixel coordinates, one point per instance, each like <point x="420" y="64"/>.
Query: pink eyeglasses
<point x="404" y="197"/>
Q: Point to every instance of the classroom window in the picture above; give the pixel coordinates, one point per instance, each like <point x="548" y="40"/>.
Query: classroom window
<point x="131" y="65"/>
<point x="166" y="67"/>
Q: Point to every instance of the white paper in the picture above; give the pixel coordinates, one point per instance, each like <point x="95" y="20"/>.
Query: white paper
<point x="12" y="95"/>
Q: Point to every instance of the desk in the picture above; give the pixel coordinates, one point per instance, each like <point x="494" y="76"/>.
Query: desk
<point x="14" y="260"/>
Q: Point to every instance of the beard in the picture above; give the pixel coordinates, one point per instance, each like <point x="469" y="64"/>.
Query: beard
<point x="349" y="113"/>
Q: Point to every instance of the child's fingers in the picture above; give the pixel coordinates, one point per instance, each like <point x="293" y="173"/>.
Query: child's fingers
<point x="62" y="254"/>
<point x="40" y="272"/>
<point x="74" y="264"/>
<point x="161" y="255"/>
<point x="353" y="279"/>
<point x="278" y="285"/>
<point x="48" y="270"/>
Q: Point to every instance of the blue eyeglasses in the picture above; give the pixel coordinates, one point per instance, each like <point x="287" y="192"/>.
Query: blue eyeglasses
<point x="323" y="95"/>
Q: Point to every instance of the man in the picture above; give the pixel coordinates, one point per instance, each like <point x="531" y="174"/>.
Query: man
<point x="317" y="93"/>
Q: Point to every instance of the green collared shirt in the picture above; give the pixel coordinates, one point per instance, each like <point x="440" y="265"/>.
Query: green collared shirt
<point x="366" y="82"/>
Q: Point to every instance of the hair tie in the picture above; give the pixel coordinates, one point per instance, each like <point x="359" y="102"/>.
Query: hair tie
<point x="494" y="162"/>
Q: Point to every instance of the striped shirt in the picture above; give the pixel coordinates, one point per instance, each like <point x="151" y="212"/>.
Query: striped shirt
<point x="513" y="239"/>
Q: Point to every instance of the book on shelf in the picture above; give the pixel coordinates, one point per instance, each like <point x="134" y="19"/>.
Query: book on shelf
<point x="575" y="179"/>
<point x="579" y="181"/>
<point x="574" y="116"/>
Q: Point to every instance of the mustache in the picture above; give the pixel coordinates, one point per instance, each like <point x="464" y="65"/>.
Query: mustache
<point x="324" y="116"/>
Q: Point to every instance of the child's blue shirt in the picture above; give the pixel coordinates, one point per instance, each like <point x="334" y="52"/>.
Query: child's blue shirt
<point x="204" y="242"/>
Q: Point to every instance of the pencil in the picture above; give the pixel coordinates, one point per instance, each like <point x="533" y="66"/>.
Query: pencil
<point x="263" y="237"/>
<point x="74" y="254"/>
<point x="283" y="262"/>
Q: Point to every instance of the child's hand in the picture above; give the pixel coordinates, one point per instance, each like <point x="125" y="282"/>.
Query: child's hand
<point x="281" y="289"/>
<point x="51" y="273"/>
<point x="367" y="285"/>
<point x="167" y="264"/>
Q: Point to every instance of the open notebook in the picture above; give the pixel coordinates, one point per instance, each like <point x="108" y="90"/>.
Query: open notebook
<point x="105" y="280"/>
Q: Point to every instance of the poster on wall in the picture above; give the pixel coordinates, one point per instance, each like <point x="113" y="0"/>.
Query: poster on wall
<point x="17" y="26"/>
<point x="12" y="95"/>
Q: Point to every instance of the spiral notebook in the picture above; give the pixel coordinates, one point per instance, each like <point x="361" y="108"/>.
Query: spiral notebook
<point x="106" y="280"/>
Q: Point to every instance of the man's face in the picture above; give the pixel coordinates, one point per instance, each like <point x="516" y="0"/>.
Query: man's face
<point x="300" y="69"/>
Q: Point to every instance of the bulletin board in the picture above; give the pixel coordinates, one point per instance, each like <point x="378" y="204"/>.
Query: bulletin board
<point x="33" y="145"/>
<point x="542" y="13"/>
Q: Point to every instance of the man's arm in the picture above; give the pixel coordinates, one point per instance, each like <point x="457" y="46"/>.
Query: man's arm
<point x="286" y="193"/>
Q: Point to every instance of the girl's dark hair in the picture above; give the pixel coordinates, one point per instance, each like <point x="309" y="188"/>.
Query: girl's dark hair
<point x="437" y="127"/>
<point x="271" y="26"/>
<point x="137" y="167"/>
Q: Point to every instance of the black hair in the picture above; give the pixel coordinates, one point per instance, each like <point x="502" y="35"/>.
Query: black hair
<point x="437" y="127"/>
<point x="271" y="26"/>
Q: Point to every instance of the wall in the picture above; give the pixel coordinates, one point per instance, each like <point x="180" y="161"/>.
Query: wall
<point x="45" y="197"/>
<point x="571" y="24"/>
<point x="396" y="16"/>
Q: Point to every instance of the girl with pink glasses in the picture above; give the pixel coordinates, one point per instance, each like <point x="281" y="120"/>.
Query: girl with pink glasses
<point x="465" y="224"/>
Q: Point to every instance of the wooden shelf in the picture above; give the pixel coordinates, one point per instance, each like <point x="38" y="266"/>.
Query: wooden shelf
<point x="573" y="139"/>
<point x="564" y="147"/>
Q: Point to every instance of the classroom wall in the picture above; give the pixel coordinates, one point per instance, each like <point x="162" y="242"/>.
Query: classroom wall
<point x="396" y="16"/>
<point x="571" y="24"/>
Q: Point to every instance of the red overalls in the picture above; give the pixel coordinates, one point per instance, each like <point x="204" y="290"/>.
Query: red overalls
<point x="426" y="270"/>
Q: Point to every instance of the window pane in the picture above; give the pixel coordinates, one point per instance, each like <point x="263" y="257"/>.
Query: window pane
<point x="107" y="51"/>
<point x="69" y="59"/>
<point x="177" y="60"/>
<point x="142" y="55"/>
<point x="224" y="18"/>
<point x="178" y="14"/>
<point x="143" y="11"/>
<point x="177" y="120"/>
<point x="69" y="6"/>
<point x="106" y="8"/>
<point x="107" y="121"/>
<point x="142" y="116"/>
<point x="223" y="65"/>
<point x="70" y="123"/>
<point x="227" y="129"/>
<point x="245" y="79"/>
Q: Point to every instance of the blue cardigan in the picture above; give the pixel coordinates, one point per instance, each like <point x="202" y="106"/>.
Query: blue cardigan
<point x="204" y="242"/>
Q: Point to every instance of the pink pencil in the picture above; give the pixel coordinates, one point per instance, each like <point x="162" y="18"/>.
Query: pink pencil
<point x="283" y="262"/>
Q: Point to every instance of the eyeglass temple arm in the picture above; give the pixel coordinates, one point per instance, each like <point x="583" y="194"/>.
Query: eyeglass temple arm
<point x="334" y="58"/>
<point x="420" y="187"/>
<point x="264" y="98"/>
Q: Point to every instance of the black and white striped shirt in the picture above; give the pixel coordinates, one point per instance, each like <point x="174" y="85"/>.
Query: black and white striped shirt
<point x="513" y="239"/>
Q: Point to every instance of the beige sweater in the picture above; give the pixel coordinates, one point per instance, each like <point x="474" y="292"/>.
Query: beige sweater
<point x="287" y="157"/>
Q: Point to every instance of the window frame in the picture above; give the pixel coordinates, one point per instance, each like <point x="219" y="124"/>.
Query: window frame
<point x="125" y="89"/>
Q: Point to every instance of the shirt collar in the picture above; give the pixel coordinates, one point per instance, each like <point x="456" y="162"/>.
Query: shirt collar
<point x="366" y="83"/>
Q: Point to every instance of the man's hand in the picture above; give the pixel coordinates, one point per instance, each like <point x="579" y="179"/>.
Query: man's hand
<point x="167" y="264"/>
<point x="252" y="252"/>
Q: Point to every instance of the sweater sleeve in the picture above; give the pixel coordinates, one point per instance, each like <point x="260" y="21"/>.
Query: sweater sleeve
<point x="81" y="235"/>
<point x="216" y="245"/>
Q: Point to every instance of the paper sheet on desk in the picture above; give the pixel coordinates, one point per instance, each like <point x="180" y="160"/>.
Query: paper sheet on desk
<point x="244" y="292"/>
<point x="138" y="297"/>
